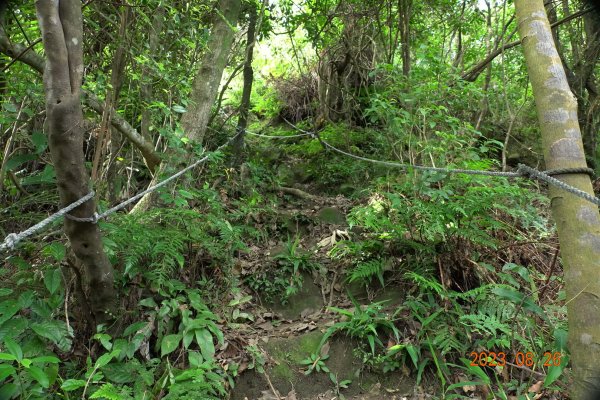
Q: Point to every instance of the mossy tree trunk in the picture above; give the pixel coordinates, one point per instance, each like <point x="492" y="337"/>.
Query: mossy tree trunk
<point x="61" y="26"/>
<point x="207" y="80"/>
<point x="577" y="220"/>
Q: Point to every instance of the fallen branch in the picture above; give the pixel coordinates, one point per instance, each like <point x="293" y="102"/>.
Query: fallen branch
<point x="297" y="192"/>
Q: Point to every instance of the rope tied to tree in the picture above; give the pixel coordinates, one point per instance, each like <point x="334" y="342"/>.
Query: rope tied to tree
<point x="12" y="239"/>
<point x="523" y="171"/>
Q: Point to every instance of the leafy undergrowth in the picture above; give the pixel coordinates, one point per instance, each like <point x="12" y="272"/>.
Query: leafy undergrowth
<point x="481" y="314"/>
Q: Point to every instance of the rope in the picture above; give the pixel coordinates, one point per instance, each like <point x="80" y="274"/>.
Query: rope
<point x="563" y="171"/>
<point x="246" y="131"/>
<point x="523" y="171"/>
<point x="13" y="239"/>
<point x="423" y="168"/>
<point x="279" y="137"/>
<point x="543" y="176"/>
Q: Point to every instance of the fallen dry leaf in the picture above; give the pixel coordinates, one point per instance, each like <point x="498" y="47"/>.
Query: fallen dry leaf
<point x="536" y="387"/>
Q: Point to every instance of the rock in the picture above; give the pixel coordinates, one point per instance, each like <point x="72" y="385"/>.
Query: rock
<point x="332" y="216"/>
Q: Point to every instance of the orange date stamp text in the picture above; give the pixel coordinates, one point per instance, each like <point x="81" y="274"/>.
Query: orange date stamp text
<point x="519" y="359"/>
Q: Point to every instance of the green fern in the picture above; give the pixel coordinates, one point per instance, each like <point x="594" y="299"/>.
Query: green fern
<point x="109" y="392"/>
<point x="365" y="271"/>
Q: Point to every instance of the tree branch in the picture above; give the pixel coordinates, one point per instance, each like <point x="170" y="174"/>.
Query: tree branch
<point x="28" y="56"/>
<point x="472" y="74"/>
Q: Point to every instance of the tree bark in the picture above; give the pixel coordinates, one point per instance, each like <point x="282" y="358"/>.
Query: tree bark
<point x="207" y="80"/>
<point x="61" y="27"/>
<point x="577" y="220"/>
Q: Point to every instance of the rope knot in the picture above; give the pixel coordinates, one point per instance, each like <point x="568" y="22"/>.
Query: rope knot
<point x="12" y="240"/>
<point x="92" y="220"/>
<point x="524" y="170"/>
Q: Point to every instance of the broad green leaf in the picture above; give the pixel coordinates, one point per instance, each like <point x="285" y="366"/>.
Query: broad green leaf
<point x="169" y="344"/>
<point x="188" y="338"/>
<point x="179" y="109"/>
<point x="72" y="384"/>
<point x="6" y="371"/>
<point x="13" y="348"/>
<point x="7" y="357"/>
<point x="560" y="339"/>
<point x="52" y="280"/>
<point x="9" y="106"/>
<point x="18" y="160"/>
<point x="134" y="328"/>
<point x="105" y="340"/>
<point x="55" y="250"/>
<point x="45" y="360"/>
<point x="8" y="308"/>
<point x="205" y="342"/>
<point x="148" y="302"/>
<point x="520" y="299"/>
<point x="40" y="142"/>
<point x="46" y="177"/>
<point x="54" y="330"/>
<point x="26" y="298"/>
<point x="185" y="194"/>
<point x="8" y="390"/>
<point x="195" y="358"/>
<point x="121" y="373"/>
<point x="553" y="374"/>
<point x="105" y="359"/>
<point x="39" y="375"/>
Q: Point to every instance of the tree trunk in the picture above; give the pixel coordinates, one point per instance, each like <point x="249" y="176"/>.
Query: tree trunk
<point x="61" y="27"/>
<point x="577" y="220"/>
<point x="207" y="80"/>
<point x="205" y="85"/>
<point x="107" y="136"/>
<point x="238" y="144"/>
<point x="147" y="89"/>
<point x="117" y="76"/>
<point x="405" y="12"/>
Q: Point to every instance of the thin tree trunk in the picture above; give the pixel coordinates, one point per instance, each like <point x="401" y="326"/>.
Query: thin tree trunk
<point x="577" y="220"/>
<point x="238" y="144"/>
<point x="106" y="135"/>
<point x="62" y="31"/>
<point x="405" y="12"/>
<point x="147" y="89"/>
<point x="207" y="80"/>
<point x="116" y="81"/>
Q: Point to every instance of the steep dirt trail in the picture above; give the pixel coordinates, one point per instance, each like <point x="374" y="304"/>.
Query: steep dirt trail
<point x="283" y="336"/>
